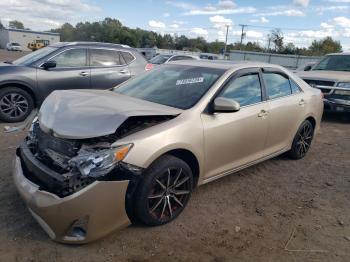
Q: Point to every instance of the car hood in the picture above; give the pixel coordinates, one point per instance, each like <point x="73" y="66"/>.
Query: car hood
<point x="80" y="114"/>
<point x="335" y="76"/>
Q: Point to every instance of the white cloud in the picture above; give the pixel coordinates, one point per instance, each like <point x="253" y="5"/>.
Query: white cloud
<point x="325" y="25"/>
<point x="288" y="12"/>
<point x="249" y="34"/>
<point x="226" y="4"/>
<point x="199" y="31"/>
<point x="262" y="20"/>
<point x="156" y="24"/>
<point x="175" y="26"/>
<point x="339" y="1"/>
<point x="47" y="14"/>
<point x="303" y="3"/>
<point x="337" y="8"/>
<point x="342" y="21"/>
<point x="222" y="7"/>
<point x="220" y="21"/>
<point x="211" y="11"/>
<point x="166" y="15"/>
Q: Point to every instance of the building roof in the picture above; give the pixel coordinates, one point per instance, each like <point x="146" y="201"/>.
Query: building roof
<point x="31" y="32"/>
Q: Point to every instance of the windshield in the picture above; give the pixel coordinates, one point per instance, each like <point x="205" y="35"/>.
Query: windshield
<point x="172" y="85"/>
<point x="15" y="44"/>
<point x="159" y="59"/>
<point x="34" y="56"/>
<point x="334" y="63"/>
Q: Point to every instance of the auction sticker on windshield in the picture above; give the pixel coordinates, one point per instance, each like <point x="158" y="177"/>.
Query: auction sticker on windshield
<point x="190" y="81"/>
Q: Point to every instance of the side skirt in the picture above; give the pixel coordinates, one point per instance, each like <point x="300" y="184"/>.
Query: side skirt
<point x="229" y="172"/>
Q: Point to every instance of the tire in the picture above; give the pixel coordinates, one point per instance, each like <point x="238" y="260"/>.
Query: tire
<point x="159" y="200"/>
<point x="302" y="140"/>
<point x="15" y="104"/>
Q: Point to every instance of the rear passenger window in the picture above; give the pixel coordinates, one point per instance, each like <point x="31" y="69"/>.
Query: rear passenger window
<point x="294" y="86"/>
<point x="127" y="57"/>
<point x="276" y="85"/>
<point x="103" y="57"/>
<point x="245" y="89"/>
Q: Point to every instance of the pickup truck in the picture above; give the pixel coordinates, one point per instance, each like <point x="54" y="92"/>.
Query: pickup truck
<point x="332" y="76"/>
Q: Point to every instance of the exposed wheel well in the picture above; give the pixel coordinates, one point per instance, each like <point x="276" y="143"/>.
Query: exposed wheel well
<point x="24" y="88"/>
<point x="190" y="159"/>
<point x="312" y="121"/>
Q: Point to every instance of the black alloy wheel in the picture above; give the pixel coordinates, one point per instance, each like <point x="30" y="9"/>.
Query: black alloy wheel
<point x="15" y="104"/>
<point x="164" y="192"/>
<point x="302" y="140"/>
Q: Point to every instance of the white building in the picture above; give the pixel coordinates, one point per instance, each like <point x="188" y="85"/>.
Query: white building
<point x="23" y="37"/>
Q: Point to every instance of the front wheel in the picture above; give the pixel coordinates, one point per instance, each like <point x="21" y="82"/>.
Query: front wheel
<point x="302" y="140"/>
<point x="15" y="104"/>
<point x="164" y="191"/>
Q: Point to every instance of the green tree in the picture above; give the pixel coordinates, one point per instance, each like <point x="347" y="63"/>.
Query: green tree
<point x="325" y="46"/>
<point x="16" y="24"/>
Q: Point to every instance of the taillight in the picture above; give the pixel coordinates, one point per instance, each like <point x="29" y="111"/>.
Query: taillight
<point x="149" y="67"/>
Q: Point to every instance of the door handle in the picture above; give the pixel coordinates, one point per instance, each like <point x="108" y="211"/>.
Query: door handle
<point x="263" y="113"/>
<point x="123" y="71"/>
<point x="84" y="73"/>
<point x="302" y="102"/>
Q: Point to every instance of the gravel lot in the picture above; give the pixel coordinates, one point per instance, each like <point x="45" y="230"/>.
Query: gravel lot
<point x="279" y="210"/>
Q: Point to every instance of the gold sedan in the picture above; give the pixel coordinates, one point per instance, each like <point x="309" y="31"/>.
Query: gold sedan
<point x="95" y="160"/>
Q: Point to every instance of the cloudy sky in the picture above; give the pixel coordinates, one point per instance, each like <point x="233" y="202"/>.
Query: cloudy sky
<point x="300" y="20"/>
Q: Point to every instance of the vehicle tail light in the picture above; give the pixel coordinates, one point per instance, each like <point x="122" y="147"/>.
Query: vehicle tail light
<point x="149" y="67"/>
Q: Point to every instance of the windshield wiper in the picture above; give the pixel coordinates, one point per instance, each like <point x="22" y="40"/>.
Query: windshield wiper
<point x="8" y="62"/>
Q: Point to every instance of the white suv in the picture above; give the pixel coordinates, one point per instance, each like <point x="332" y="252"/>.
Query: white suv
<point x="14" y="47"/>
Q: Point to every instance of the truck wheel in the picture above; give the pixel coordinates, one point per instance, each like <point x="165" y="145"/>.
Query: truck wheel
<point x="15" y="104"/>
<point x="164" y="191"/>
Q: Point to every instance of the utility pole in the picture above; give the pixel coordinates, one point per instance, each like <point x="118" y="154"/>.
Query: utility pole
<point x="227" y="26"/>
<point x="242" y="35"/>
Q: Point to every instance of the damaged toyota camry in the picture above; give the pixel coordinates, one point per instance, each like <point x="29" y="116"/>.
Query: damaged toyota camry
<point x="95" y="161"/>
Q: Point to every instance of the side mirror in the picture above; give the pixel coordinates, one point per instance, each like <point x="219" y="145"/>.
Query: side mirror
<point x="49" y="64"/>
<point x="307" y="68"/>
<point x="222" y="104"/>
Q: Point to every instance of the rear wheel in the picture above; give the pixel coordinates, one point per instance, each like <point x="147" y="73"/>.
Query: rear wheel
<point x="164" y="192"/>
<point x="15" y="104"/>
<point x="302" y="140"/>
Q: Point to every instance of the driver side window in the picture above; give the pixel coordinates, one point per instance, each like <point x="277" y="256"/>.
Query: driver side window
<point x="246" y="90"/>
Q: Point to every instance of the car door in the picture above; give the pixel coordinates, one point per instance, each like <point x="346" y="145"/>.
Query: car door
<point x="287" y="109"/>
<point x="235" y="139"/>
<point x="71" y="72"/>
<point x="108" y="68"/>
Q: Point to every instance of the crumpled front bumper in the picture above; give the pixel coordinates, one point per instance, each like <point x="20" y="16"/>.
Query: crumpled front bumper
<point x="93" y="212"/>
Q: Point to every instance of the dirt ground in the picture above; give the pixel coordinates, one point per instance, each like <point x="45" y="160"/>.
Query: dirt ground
<point x="11" y="55"/>
<point x="279" y="210"/>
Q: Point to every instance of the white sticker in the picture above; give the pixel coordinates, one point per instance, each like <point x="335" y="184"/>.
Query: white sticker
<point x="190" y="81"/>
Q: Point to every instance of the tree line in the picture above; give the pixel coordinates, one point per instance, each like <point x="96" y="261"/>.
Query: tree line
<point x="113" y="31"/>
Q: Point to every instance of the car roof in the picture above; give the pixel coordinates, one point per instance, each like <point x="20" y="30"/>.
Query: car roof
<point x="94" y="44"/>
<point x="222" y="64"/>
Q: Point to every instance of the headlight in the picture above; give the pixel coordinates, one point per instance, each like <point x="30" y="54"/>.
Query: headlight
<point x="101" y="162"/>
<point x="344" y="84"/>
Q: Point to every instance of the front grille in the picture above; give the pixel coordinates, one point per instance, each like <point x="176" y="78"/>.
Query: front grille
<point x="63" y="146"/>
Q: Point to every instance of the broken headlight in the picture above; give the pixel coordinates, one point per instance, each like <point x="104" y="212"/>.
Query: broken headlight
<point x="99" y="163"/>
